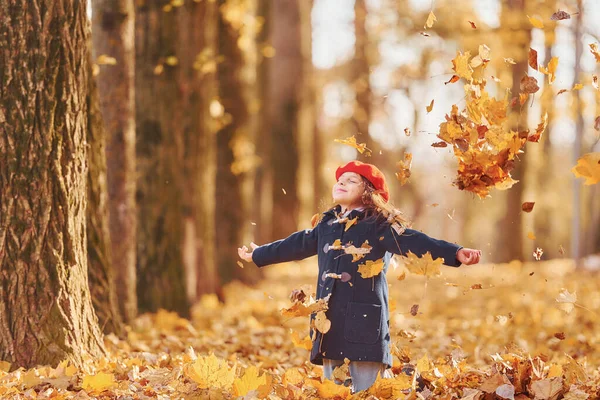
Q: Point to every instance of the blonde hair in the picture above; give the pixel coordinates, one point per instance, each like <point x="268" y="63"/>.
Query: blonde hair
<point x="375" y="203"/>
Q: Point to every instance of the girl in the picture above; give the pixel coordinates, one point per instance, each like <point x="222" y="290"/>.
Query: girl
<point x="358" y="307"/>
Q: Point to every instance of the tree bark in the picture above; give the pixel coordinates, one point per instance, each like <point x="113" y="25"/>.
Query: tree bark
<point x="286" y="80"/>
<point x="46" y="312"/>
<point x="113" y="36"/>
<point x="160" y="154"/>
<point x="100" y="266"/>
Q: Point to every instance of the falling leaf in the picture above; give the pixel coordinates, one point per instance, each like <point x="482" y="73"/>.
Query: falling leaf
<point x="430" y="20"/>
<point x="476" y="286"/>
<point x="455" y="78"/>
<point x="462" y="67"/>
<point x="551" y="70"/>
<point x="561" y="91"/>
<point x="537" y="254"/>
<point x="527" y="206"/>
<point x="595" y="51"/>
<point x="103" y="59"/>
<point x="588" y="167"/>
<point x="239" y="263"/>
<point x="578" y="86"/>
<point x="473" y="24"/>
<point x="424" y="265"/>
<point x="530" y="235"/>
<point x="322" y="324"/>
<point x="425" y="34"/>
<point x="283" y="190"/>
<point x="529" y="84"/>
<point x="560" y="15"/>
<point x="358" y="252"/>
<point x="407" y="131"/>
<point x="536" y="22"/>
<point x="171" y="61"/>
<point x="595" y="82"/>
<point x="305" y="343"/>
<point x="430" y="106"/>
<point x="509" y="61"/>
<point x="336" y="245"/>
<point x="414" y="310"/>
<point x="371" y="268"/>
<point x="439" y="144"/>
<point x="533" y="57"/>
<point x="351" y="141"/>
<point x="566" y="301"/>
<point x="342" y="372"/>
<point x="403" y="167"/>
<point x="560" y="335"/>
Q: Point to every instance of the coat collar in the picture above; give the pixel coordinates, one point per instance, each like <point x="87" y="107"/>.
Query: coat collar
<point x="337" y="210"/>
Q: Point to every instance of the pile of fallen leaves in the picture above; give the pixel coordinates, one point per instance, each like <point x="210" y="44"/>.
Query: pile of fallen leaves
<point x="504" y="331"/>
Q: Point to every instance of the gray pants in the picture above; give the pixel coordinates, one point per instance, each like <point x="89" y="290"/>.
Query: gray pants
<point x="363" y="373"/>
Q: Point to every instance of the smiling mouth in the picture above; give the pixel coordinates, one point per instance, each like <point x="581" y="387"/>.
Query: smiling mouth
<point x="340" y="191"/>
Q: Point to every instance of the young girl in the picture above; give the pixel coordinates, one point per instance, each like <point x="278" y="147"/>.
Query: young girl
<point x="358" y="307"/>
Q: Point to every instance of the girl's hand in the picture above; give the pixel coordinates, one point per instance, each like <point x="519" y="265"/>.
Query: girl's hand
<point x="468" y="256"/>
<point x="244" y="254"/>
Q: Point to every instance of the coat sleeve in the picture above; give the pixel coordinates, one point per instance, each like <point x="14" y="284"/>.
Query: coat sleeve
<point x="297" y="246"/>
<point x="418" y="243"/>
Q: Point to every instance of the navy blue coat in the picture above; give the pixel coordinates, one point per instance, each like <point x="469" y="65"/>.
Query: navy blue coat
<point x="359" y="312"/>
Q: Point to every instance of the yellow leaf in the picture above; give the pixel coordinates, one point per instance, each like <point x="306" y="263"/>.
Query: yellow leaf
<point x="536" y="22"/>
<point x="423" y="364"/>
<point x="430" y="20"/>
<point x="268" y="51"/>
<point x="103" y="59"/>
<point x="430" y="106"/>
<point x="342" y="372"/>
<point x="530" y="235"/>
<point x="351" y="141"/>
<point x="251" y="381"/>
<point x="322" y="324"/>
<point x="350" y="222"/>
<point x="329" y="390"/>
<point x="336" y="245"/>
<point x="305" y="343"/>
<point x="171" y="61"/>
<point x="588" y="167"/>
<point x="159" y="69"/>
<point x="402" y="276"/>
<point x="358" y="252"/>
<point x="299" y="309"/>
<point x="211" y="371"/>
<point x="462" y="66"/>
<point x="578" y="86"/>
<point x="551" y="70"/>
<point x="99" y="382"/>
<point x="371" y="268"/>
<point x="424" y="265"/>
<point x="293" y="376"/>
<point x="595" y="51"/>
<point x="5" y="366"/>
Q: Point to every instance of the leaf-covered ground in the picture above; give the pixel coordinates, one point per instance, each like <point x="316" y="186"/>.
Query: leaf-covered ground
<point x="477" y="332"/>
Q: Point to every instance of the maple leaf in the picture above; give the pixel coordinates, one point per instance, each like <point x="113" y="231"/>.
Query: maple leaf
<point x="551" y="70"/>
<point x="539" y="130"/>
<point x="371" y="268"/>
<point x="566" y="301"/>
<point x="351" y="141"/>
<point x="251" y="381"/>
<point x="293" y="376"/>
<point x="336" y="245"/>
<point x="299" y="309"/>
<point x="305" y="343"/>
<point x="461" y="65"/>
<point x="99" y="382"/>
<point x="588" y="167"/>
<point x="211" y="371"/>
<point x="329" y="390"/>
<point x="424" y="265"/>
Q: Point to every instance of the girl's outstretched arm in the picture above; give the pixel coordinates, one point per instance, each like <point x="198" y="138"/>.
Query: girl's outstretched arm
<point x="297" y="246"/>
<point x="418" y="243"/>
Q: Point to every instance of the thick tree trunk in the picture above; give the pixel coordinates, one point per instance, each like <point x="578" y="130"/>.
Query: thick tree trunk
<point x="113" y="36"/>
<point x="511" y="227"/>
<point x="286" y="81"/>
<point x="160" y="154"/>
<point x="100" y="266"/>
<point x="46" y="312"/>
<point x="229" y="215"/>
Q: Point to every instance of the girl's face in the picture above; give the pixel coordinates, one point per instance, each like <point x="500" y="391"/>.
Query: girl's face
<point x="348" y="190"/>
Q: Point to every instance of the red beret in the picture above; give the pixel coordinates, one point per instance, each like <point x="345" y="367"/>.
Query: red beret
<point x="370" y="172"/>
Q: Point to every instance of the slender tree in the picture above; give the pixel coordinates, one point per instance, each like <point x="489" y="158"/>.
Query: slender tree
<point x="113" y="38"/>
<point x="46" y="312"/>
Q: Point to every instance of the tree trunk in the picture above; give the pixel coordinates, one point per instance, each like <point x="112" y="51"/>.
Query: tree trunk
<point x="160" y="154"/>
<point x="510" y="235"/>
<point x="361" y="81"/>
<point x="205" y="166"/>
<point x="229" y="215"/>
<point x="46" y="312"/>
<point x="286" y="81"/>
<point x="113" y="36"/>
<point x="100" y="266"/>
